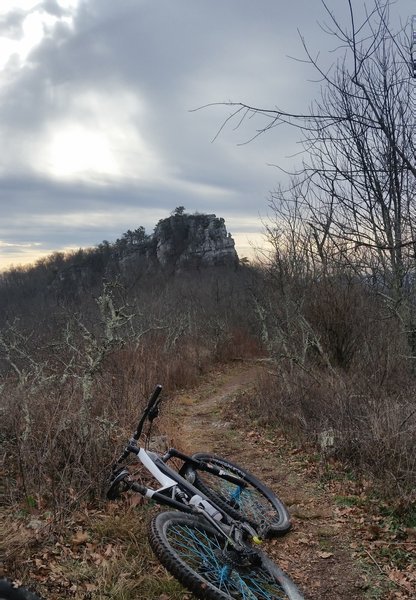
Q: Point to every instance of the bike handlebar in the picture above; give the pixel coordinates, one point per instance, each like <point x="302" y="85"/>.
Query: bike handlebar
<point x="154" y="397"/>
<point x="150" y="405"/>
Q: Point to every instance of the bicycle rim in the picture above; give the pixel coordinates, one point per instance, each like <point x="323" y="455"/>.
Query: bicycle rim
<point x="251" y="503"/>
<point x="195" y="554"/>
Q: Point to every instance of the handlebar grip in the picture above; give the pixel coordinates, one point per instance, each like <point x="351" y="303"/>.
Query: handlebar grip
<point x="154" y="396"/>
<point x="147" y="411"/>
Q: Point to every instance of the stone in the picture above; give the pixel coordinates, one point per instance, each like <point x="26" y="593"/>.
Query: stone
<point x="194" y="240"/>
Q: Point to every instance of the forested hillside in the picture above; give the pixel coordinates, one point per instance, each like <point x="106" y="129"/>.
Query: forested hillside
<point x="77" y="351"/>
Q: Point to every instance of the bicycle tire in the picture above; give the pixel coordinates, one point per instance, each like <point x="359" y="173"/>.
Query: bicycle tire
<point x="9" y="592"/>
<point x="256" y="504"/>
<point x="192" y="551"/>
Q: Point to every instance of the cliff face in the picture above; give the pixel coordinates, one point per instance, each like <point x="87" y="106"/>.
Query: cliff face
<point x="178" y="243"/>
<point x="182" y="241"/>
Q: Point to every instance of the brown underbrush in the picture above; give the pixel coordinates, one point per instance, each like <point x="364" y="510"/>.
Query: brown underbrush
<point x="340" y="374"/>
<point x="59" y="444"/>
<point x="371" y="430"/>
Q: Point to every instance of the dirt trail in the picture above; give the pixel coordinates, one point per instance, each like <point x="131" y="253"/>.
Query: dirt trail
<point x="318" y="553"/>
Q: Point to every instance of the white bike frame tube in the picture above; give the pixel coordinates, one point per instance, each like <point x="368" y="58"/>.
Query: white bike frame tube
<point x="163" y="479"/>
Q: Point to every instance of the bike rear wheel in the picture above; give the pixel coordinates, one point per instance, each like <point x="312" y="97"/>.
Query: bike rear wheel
<point x="256" y="503"/>
<point x="196" y="554"/>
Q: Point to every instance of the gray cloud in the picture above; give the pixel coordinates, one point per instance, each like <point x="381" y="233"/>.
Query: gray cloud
<point x="11" y="24"/>
<point x="129" y="73"/>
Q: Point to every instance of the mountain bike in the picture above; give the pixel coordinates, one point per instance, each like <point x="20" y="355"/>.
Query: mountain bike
<point x="210" y="542"/>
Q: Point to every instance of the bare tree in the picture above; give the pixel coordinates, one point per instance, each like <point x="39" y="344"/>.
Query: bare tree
<point x="355" y="191"/>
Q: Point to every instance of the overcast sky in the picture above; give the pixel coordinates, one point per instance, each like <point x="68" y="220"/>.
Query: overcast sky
<point x="96" y="113"/>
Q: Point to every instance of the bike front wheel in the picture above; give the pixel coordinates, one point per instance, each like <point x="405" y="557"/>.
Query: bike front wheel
<point x="254" y="503"/>
<point x="197" y="555"/>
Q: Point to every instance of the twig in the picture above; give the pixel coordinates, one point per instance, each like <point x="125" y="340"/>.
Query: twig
<point x="407" y="418"/>
<point x="374" y="561"/>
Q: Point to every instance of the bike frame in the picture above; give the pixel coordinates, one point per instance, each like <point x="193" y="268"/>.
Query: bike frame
<point x="149" y="460"/>
<point x="171" y="481"/>
<point x="173" y="484"/>
<point x="175" y="491"/>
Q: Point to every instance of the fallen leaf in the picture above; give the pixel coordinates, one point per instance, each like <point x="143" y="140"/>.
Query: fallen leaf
<point x="325" y="554"/>
<point x="80" y="538"/>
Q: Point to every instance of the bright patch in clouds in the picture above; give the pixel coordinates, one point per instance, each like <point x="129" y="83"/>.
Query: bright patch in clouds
<point x="34" y="27"/>
<point x="8" y="5"/>
<point x="9" y="245"/>
<point x="99" y="136"/>
<point x="74" y="150"/>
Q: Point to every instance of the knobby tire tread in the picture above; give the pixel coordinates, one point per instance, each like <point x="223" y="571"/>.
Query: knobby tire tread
<point x="187" y="576"/>
<point x="169" y="560"/>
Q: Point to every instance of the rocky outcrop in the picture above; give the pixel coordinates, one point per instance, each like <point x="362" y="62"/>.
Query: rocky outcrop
<point x="179" y="242"/>
<point x="182" y="241"/>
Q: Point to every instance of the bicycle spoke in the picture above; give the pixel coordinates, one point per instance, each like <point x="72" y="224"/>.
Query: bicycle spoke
<point x="206" y="555"/>
<point x="249" y="502"/>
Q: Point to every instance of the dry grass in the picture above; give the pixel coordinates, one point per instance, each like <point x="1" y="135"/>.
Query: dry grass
<point x="375" y="432"/>
<point x="58" y="449"/>
<point x="95" y="554"/>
